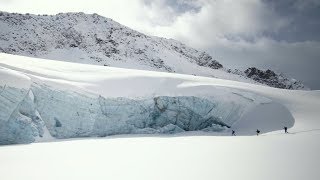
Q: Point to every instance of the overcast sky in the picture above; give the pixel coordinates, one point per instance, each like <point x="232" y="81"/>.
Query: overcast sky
<point x="279" y="34"/>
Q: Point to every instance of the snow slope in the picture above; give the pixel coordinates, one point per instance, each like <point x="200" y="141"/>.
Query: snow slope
<point x="186" y="155"/>
<point x="276" y="157"/>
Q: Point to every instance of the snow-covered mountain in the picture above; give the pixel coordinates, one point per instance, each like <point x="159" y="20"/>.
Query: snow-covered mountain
<point x="93" y="39"/>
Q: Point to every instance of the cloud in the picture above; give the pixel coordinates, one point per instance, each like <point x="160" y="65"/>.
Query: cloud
<point x="252" y="33"/>
<point x="299" y="60"/>
<point x="302" y="5"/>
<point x="213" y="21"/>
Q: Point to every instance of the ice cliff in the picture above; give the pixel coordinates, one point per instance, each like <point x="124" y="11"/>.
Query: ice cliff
<point x="25" y="113"/>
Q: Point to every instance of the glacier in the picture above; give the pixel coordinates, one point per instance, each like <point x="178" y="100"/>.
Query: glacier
<point x="25" y="113"/>
<point x="48" y="100"/>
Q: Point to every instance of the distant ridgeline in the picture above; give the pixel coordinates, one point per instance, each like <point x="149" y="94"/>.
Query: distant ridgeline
<point x="93" y="39"/>
<point x="270" y="78"/>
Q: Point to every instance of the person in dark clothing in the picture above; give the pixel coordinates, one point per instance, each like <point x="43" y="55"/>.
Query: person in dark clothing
<point x="258" y="132"/>
<point x="233" y="133"/>
<point x="285" y="129"/>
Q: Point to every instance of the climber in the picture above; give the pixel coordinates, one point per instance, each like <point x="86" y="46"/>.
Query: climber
<point x="233" y="133"/>
<point x="285" y="129"/>
<point x="258" y="132"/>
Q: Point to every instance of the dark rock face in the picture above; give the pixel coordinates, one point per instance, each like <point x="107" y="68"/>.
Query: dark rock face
<point x="257" y="74"/>
<point x="206" y="60"/>
<point x="272" y="79"/>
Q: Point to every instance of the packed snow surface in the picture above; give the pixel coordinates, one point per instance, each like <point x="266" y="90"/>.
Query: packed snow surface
<point x="51" y="100"/>
<point x="276" y="157"/>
